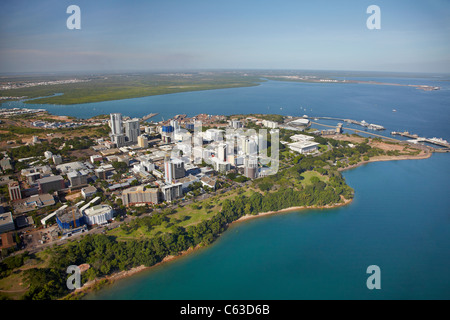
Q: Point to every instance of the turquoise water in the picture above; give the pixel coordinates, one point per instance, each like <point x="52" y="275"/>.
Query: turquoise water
<point x="399" y="220"/>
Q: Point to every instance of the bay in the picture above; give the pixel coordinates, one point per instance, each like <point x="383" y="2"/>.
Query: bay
<point x="423" y="112"/>
<point x="394" y="222"/>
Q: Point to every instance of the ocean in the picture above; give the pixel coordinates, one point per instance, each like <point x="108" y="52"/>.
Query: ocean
<point x="399" y="219"/>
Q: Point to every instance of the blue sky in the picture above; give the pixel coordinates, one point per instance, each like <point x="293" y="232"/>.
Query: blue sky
<point x="143" y="35"/>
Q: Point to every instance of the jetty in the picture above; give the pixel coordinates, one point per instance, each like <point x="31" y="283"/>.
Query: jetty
<point x="151" y="115"/>
<point x="362" y="123"/>
<point x="436" y="141"/>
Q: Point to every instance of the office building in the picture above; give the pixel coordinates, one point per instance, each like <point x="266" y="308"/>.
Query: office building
<point x="173" y="169"/>
<point x="52" y="183"/>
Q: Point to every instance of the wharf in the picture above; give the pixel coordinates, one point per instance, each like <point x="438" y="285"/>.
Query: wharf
<point x="151" y="115"/>
<point x="359" y="123"/>
<point x="435" y="141"/>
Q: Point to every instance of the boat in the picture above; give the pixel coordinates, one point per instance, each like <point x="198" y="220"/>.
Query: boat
<point x="393" y="110"/>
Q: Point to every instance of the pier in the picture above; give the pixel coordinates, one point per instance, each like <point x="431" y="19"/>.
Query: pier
<point x="435" y="141"/>
<point x="356" y="131"/>
<point x="359" y="123"/>
<point x="151" y="115"/>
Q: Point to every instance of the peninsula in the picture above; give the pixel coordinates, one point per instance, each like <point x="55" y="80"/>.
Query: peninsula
<point x="115" y="195"/>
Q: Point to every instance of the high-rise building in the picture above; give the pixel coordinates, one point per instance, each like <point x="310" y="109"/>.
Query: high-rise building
<point x="173" y="169"/>
<point x="222" y="152"/>
<point x="116" y="125"/>
<point x="14" y="191"/>
<point x="132" y="130"/>
<point x="250" y="167"/>
<point x="172" y="191"/>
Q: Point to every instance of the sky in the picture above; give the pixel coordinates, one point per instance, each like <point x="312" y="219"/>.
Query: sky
<point x="146" y="35"/>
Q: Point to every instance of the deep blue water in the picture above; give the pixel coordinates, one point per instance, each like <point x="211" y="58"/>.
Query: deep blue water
<point x="399" y="219"/>
<point x="418" y="111"/>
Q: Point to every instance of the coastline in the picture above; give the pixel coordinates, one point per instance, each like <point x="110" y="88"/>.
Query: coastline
<point x="290" y="209"/>
<point x="420" y="156"/>
<point x="88" y="287"/>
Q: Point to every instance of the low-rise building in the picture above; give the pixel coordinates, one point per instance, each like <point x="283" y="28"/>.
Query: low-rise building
<point x="99" y="214"/>
<point x="209" y="182"/>
<point x="6" y="222"/>
<point x="304" y="147"/>
<point x="57" y="159"/>
<point x="140" y="195"/>
<point x="77" y="178"/>
<point x="88" y="192"/>
<point x="51" y="183"/>
<point x="70" y="218"/>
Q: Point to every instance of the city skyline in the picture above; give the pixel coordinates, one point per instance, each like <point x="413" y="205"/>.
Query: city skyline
<point x="150" y="35"/>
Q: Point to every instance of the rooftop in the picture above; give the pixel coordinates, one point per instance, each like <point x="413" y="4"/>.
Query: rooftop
<point x="98" y="209"/>
<point x="50" y="179"/>
<point x="6" y="218"/>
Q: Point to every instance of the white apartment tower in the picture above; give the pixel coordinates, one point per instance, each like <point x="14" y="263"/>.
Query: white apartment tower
<point x="116" y="125"/>
<point x="132" y="130"/>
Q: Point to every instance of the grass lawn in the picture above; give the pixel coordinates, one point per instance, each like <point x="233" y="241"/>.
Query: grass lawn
<point x="309" y="174"/>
